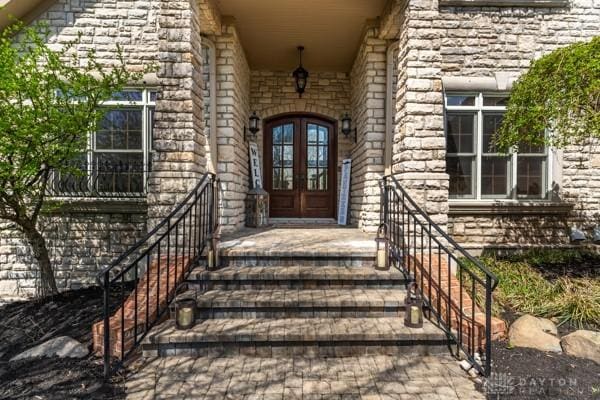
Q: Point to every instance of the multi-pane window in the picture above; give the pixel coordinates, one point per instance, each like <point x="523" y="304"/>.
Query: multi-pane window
<point x="477" y="170"/>
<point x="316" y="156"/>
<point x="283" y="157"/>
<point x="119" y="152"/>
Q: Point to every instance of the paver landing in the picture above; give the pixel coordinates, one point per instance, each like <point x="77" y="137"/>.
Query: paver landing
<point x="354" y="378"/>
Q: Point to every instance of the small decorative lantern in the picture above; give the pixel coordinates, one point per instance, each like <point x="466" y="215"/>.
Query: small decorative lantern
<point x="257" y="208"/>
<point x="185" y="313"/>
<point x="382" y="255"/>
<point x="413" y="310"/>
<point x="300" y="75"/>
<point x="183" y="310"/>
<point x="213" y="260"/>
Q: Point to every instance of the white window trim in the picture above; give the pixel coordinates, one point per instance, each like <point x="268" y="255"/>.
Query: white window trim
<point x="146" y="104"/>
<point x="479" y="109"/>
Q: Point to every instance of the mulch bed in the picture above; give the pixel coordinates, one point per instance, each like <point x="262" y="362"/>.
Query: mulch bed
<point x="26" y="324"/>
<point x="528" y="374"/>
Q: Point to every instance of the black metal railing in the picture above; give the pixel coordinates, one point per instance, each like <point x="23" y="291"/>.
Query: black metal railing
<point x="100" y="180"/>
<point x="152" y="270"/>
<point x="456" y="287"/>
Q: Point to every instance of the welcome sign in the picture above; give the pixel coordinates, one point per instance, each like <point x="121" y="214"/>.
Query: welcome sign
<point x="344" y="192"/>
<point x="255" y="165"/>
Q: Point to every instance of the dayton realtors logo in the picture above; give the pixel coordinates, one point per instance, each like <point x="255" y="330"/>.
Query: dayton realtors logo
<point x="502" y="384"/>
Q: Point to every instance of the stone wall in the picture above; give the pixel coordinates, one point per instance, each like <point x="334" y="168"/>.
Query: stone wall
<point x="368" y="82"/>
<point x="179" y="137"/>
<point x="486" y="42"/>
<point x="160" y="32"/>
<point x="418" y="160"/>
<point x="233" y="85"/>
<point x="79" y="243"/>
<point x="327" y="93"/>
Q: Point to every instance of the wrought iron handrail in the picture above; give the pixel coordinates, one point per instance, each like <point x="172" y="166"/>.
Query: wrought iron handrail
<point x="164" y="257"/>
<point x="457" y="288"/>
<point x="100" y="180"/>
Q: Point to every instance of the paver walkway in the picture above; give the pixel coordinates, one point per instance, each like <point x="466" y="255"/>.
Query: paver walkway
<point x="352" y="378"/>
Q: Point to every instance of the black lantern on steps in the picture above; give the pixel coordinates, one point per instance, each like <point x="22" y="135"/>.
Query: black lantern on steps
<point x="413" y="307"/>
<point x="382" y="255"/>
<point x="300" y="75"/>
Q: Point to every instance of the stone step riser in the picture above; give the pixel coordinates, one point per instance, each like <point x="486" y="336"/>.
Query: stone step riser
<point x="304" y="349"/>
<point x="249" y="284"/>
<point x="293" y="261"/>
<point x="299" y="312"/>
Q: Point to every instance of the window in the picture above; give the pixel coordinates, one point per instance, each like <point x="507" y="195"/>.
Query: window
<point x="120" y="152"/>
<point x="477" y="170"/>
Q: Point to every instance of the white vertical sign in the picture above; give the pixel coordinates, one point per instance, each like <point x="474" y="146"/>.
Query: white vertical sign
<point x="344" y="192"/>
<point x="255" y="165"/>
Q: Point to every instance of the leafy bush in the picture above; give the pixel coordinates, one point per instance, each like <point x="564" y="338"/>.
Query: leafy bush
<point x="524" y="289"/>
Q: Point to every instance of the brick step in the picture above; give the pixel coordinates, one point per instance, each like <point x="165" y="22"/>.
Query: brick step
<point x="297" y="277"/>
<point x="303" y="303"/>
<point x="309" y="337"/>
<point x="297" y="258"/>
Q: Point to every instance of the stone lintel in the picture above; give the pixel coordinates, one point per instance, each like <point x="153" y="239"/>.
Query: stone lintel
<point x="508" y="208"/>
<point x="504" y="3"/>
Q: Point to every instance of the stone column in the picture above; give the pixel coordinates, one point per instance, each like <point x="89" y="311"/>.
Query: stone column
<point x="368" y="80"/>
<point x="419" y="144"/>
<point x="179" y="138"/>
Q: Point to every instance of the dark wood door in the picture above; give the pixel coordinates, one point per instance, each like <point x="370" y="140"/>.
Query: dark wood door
<point x="300" y="159"/>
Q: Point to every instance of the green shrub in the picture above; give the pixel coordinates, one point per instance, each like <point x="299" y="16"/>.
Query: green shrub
<point x="523" y="289"/>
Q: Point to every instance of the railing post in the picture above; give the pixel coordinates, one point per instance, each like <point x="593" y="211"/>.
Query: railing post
<point x="107" y="350"/>
<point x="211" y="208"/>
<point x="488" y="325"/>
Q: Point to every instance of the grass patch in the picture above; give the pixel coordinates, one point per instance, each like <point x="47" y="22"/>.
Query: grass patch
<point x="531" y="283"/>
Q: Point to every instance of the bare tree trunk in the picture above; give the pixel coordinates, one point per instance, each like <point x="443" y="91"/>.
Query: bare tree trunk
<point x="40" y="252"/>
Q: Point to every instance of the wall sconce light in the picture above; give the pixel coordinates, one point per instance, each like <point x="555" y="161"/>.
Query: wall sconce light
<point x="253" y="127"/>
<point x="577" y="235"/>
<point x="300" y="75"/>
<point x="347" y="127"/>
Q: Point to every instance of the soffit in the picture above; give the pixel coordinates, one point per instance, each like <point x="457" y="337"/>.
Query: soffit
<point x="330" y="31"/>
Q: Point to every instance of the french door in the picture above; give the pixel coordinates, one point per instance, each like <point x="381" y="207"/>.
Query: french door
<point x="300" y="160"/>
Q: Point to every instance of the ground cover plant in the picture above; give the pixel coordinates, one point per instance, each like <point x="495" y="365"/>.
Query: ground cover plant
<point x="559" y="284"/>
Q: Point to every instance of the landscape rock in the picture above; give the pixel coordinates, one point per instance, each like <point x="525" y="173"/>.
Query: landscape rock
<point x="535" y="333"/>
<point x="582" y="343"/>
<point x="62" y="347"/>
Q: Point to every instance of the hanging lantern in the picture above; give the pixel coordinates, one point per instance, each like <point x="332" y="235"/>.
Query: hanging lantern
<point x="413" y="307"/>
<point x="300" y="75"/>
<point x="382" y="255"/>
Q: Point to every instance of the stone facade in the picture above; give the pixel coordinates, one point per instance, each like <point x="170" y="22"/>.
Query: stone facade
<point x="433" y="42"/>
<point x="80" y="244"/>
<point x="487" y="42"/>
<point x="419" y="142"/>
<point x="368" y="82"/>
<point x="327" y="93"/>
<point x="179" y="138"/>
<point x="233" y="85"/>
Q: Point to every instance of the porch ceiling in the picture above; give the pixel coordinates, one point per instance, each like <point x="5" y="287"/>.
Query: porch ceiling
<point x="330" y="30"/>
